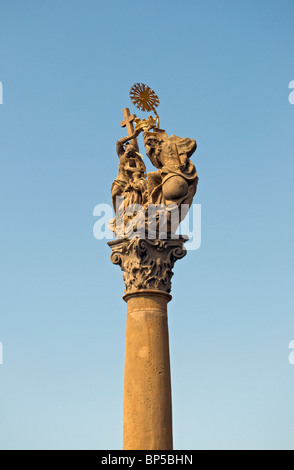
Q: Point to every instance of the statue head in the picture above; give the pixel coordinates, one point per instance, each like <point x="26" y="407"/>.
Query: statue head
<point x="153" y="144"/>
<point x="130" y="150"/>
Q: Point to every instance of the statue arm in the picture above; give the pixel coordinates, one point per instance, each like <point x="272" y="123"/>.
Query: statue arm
<point x="119" y="148"/>
<point x="120" y="143"/>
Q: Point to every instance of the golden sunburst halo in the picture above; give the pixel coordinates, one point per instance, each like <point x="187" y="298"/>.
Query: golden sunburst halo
<point x="143" y="97"/>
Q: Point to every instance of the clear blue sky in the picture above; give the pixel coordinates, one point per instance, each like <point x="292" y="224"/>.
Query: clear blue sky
<point x="222" y="70"/>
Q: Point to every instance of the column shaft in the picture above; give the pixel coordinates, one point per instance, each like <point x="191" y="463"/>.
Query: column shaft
<point x="147" y="387"/>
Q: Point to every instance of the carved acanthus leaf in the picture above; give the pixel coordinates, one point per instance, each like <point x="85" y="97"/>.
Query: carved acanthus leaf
<point x="147" y="264"/>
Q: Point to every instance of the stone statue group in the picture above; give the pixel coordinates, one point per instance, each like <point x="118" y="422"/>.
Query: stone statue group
<point x="169" y="190"/>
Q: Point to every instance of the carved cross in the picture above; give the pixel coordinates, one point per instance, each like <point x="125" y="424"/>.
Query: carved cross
<point x="128" y="123"/>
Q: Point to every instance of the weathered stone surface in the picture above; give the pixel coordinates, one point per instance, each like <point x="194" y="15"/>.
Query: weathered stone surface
<point x="147" y="384"/>
<point x="147" y="264"/>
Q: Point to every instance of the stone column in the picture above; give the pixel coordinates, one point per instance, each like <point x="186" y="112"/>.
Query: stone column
<point x="147" y="267"/>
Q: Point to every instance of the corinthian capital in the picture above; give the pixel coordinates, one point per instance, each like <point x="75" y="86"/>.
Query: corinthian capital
<point x="147" y="264"/>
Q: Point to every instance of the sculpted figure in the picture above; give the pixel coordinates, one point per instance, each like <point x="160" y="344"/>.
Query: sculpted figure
<point x="129" y="189"/>
<point x="130" y="163"/>
<point x="175" y="181"/>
